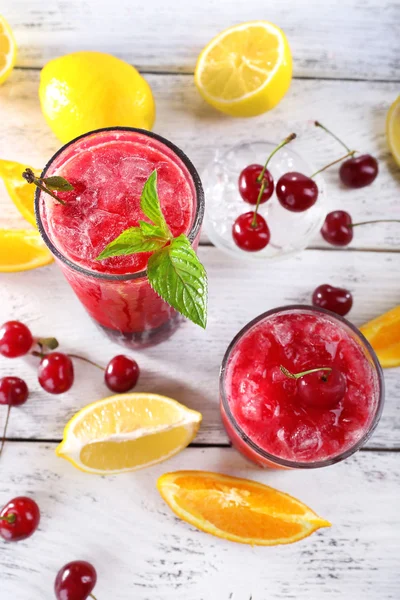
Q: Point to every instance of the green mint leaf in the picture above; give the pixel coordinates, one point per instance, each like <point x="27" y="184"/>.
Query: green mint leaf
<point x="150" y="230"/>
<point x="58" y="183"/>
<point x="150" y="204"/>
<point x="177" y="275"/>
<point x="132" y="241"/>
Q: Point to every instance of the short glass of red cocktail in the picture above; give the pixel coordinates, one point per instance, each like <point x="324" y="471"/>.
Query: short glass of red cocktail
<point x="273" y="422"/>
<point x="108" y="169"/>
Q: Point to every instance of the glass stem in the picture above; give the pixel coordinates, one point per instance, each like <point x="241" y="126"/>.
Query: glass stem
<point x="285" y="141"/>
<point x="260" y="193"/>
<point x="318" y="124"/>
<point x="350" y="153"/>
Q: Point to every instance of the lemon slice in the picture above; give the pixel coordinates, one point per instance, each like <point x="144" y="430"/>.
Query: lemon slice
<point x="127" y="432"/>
<point x="8" y="49"/>
<point x="21" y="250"/>
<point x="20" y="192"/>
<point x="238" y="510"/>
<point x="245" y="70"/>
<point x="393" y="129"/>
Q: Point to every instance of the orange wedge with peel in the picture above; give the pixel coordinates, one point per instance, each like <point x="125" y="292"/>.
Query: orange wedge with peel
<point x="20" y="192"/>
<point x="238" y="510"/>
<point x="383" y="333"/>
<point x="22" y="250"/>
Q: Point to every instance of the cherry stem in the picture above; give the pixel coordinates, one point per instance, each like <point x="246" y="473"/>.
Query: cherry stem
<point x="260" y="193"/>
<point x="350" y="153"/>
<point x="86" y="360"/>
<point x="10" y="518"/>
<point x="285" y="141"/>
<point x="318" y="124"/>
<point x="30" y="177"/>
<point x="3" y="441"/>
<point x="92" y="596"/>
<point x="375" y="221"/>
<point x="298" y="375"/>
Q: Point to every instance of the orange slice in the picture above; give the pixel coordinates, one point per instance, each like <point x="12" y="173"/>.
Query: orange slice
<point x="383" y="333"/>
<point x="21" y="250"/>
<point x="20" y="192"/>
<point x="8" y="50"/>
<point x="238" y="510"/>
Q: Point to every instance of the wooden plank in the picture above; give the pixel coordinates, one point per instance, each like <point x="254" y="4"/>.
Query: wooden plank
<point x="186" y="367"/>
<point x="142" y="551"/>
<point x="358" y="41"/>
<point x="356" y="109"/>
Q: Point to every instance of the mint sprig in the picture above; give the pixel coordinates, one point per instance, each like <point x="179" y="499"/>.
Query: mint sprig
<point x="174" y="270"/>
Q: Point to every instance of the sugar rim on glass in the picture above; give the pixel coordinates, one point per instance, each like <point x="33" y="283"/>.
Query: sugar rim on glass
<point x="194" y="231"/>
<point x="283" y="461"/>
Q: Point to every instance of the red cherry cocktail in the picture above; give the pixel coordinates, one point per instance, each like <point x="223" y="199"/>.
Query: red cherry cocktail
<point x="108" y="169"/>
<point x="278" y="420"/>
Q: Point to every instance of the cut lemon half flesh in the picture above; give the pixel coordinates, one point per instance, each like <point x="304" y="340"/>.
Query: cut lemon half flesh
<point x="8" y="50"/>
<point x="20" y="192"/>
<point x="127" y="432"/>
<point x="238" y="510"/>
<point x="393" y="129"/>
<point x="21" y="250"/>
<point x="383" y="333"/>
<point x="245" y="70"/>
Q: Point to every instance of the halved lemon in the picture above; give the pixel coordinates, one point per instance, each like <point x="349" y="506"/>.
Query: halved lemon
<point x="20" y="192"/>
<point x="21" y="250"/>
<point x="127" y="432"/>
<point x="238" y="510"/>
<point x="245" y="70"/>
<point x="393" y="129"/>
<point x="8" y="50"/>
<point x="383" y="333"/>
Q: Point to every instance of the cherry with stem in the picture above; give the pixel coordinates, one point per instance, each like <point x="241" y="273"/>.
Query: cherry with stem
<point x="13" y="392"/>
<point x="250" y="230"/>
<point x="322" y="388"/>
<point x="358" y="171"/>
<point x="298" y="192"/>
<point x="253" y="176"/>
<point x="338" y="227"/>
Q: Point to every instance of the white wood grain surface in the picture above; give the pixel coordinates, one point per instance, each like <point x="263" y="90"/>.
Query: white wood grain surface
<point x="359" y="40"/>
<point x="356" y="110"/>
<point x="186" y="366"/>
<point x="142" y="551"/>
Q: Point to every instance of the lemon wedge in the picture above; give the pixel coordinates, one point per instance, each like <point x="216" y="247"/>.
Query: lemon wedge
<point x="393" y="129"/>
<point x="127" y="432"/>
<point x="245" y="70"/>
<point x="21" y="250"/>
<point x="8" y="50"/>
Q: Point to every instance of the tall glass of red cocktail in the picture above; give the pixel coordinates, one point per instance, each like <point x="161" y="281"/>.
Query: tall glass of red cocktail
<point x="310" y="421"/>
<point x="108" y="169"/>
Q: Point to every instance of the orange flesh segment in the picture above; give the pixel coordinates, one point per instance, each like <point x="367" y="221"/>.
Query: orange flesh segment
<point x="383" y="333"/>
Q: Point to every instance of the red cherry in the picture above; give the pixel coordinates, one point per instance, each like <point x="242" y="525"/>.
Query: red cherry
<point x="248" y="237"/>
<point x="75" y="581"/>
<point x="122" y="374"/>
<point x="56" y="373"/>
<point x="337" y="300"/>
<point x="337" y="228"/>
<point x="19" y="519"/>
<point x="359" y="171"/>
<point x="296" y="192"/>
<point x="13" y="391"/>
<point x="15" y="339"/>
<point x="249" y="185"/>
<point x="322" y="389"/>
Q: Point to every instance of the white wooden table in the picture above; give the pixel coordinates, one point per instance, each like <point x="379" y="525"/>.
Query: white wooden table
<point x="347" y="73"/>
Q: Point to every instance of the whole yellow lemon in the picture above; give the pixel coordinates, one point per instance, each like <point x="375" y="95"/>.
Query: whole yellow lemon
<point x="83" y="91"/>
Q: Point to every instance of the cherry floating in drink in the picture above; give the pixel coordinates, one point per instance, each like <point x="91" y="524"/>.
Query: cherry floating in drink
<point x="300" y="388"/>
<point x="357" y="171"/>
<point x="338" y="227"/>
<point x="108" y="169"/>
